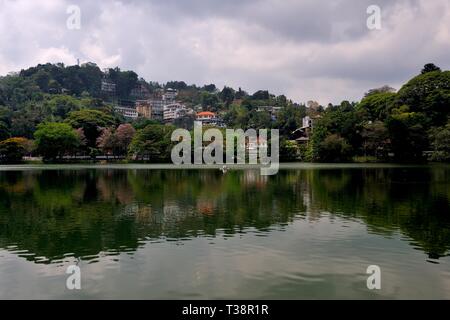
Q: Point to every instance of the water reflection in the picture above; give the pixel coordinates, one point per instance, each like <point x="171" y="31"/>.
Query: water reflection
<point x="48" y="215"/>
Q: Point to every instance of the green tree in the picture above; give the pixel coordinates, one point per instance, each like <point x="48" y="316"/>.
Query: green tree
<point x="343" y="120"/>
<point x="62" y="105"/>
<point x="153" y="143"/>
<point x="440" y="141"/>
<point x="289" y="151"/>
<point x="5" y="115"/>
<point x="237" y="116"/>
<point x="260" y="120"/>
<point x="141" y="123"/>
<point x="25" y="120"/>
<point x="407" y="134"/>
<point x="209" y="101"/>
<point x="227" y="96"/>
<point x="334" y="149"/>
<point x="377" y="105"/>
<point x="42" y="79"/>
<point x="125" y="81"/>
<point x="208" y="87"/>
<point x="4" y="131"/>
<point x="383" y="89"/>
<point x="428" y="93"/>
<point x="281" y="101"/>
<point x="290" y="119"/>
<point x="12" y="150"/>
<point x="430" y="67"/>
<point x="92" y="122"/>
<point x="375" y="139"/>
<point x="177" y="85"/>
<point x="54" y="140"/>
<point x="261" y="95"/>
<point x="319" y="134"/>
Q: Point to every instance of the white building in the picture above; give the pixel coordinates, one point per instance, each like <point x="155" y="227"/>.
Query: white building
<point x="127" y="112"/>
<point x="175" y="111"/>
<point x="170" y="95"/>
<point x="253" y="146"/>
<point x="205" y="116"/>
<point x="108" y="86"/>
<point x="210" y="118"/>
<point x="271" y="109"/>
<point x="159" y="101"/>
<point x="307" y="122"/>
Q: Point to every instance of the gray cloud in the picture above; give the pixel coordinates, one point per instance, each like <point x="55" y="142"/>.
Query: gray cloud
<point x="305" y="49"/>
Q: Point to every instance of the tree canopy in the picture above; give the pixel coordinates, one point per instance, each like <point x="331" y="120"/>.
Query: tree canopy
<point x="92" y="122"/>
<point x="54" y="140"/>
<point x="153" y="143"/>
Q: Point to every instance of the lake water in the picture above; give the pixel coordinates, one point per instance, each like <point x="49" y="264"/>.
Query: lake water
<point x="146" y="232"/>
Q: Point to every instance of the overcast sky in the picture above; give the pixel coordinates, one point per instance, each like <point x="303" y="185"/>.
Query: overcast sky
<point x="306" y="49"/>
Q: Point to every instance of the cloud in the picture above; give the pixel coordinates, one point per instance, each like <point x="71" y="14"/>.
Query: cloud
<point x="306" y="49"/>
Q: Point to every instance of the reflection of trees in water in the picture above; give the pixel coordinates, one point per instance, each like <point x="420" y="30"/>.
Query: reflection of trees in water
<point x="414" y="200"/>
<point x="197" y="202"/>
<point x="84" y="212"/>
<point x="50" y="213"/>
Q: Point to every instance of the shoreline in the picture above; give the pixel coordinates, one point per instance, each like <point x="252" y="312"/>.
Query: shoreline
<point x="282" y="166"/>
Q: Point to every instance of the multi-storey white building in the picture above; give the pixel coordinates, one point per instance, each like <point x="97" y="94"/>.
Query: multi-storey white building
<point x="108" y="86"/>
<point x="127" y="112"/>
<point x="175" y="111"/>
<point x="170" y="95"/>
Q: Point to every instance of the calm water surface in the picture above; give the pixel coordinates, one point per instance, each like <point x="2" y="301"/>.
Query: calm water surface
<point x="144" y="232"/>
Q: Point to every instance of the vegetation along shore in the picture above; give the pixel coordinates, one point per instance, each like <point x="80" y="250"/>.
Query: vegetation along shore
<point x="58" y="113"/>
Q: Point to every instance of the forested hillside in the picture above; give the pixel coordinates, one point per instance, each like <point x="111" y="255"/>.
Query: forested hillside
<point x="66" y="107"/>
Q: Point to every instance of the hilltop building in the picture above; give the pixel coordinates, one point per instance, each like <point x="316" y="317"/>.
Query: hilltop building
<point x="175" y="111"/>
<point x="144" y="109"/>
<point x="302" y="135"/>
<point x="108" y="86"/>
<point x="170" y="95"/>
<point x="271" y="109"/>
<point x="127" y="112"/>
<point x="153" y="107"/>
<point x="140" y="92"/>
<point x="209" y="118"/>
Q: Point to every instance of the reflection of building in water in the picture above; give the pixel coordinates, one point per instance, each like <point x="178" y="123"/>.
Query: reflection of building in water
<point x="144" y="214"/>
<point x="306" y="199"/>
<point x="205" y="206"/>
<point x="312" y="212"/>
<point x="112" y="190"/>
<point x="173" y="212"/>
<point x="254" y="178"/>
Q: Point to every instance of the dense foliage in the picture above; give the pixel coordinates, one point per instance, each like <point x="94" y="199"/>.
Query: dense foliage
<point x="55" y="140"/>
<point x="67" y="113"/>
<point x="385" y="125"/>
